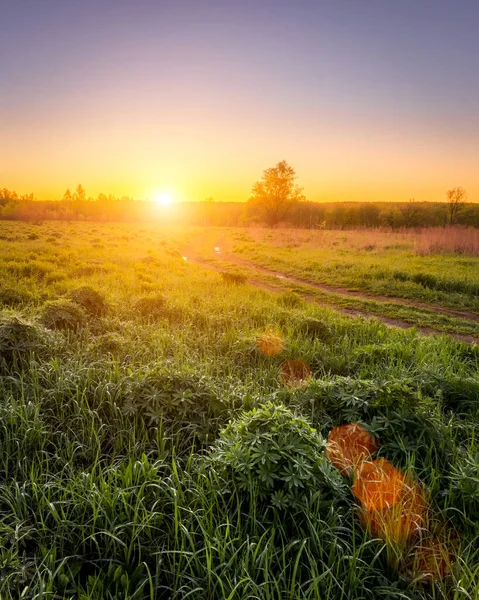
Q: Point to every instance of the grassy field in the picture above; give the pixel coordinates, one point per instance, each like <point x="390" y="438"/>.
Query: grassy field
<point x="418" y="266"/>
<point x="154" y="446"/>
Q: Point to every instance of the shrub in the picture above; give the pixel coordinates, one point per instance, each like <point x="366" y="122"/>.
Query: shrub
<point x="151" y="307"/>
<point x="464" y="480"/>
<point x="271" y="451"/>
<point x="91" y="300"/>
<point x="12" y="297"/>
<point x="181" y="402"/>
<point x="18" y="340"/>
<point x="63" y="315"/>
<point x="314" y="328"/>
<point x="233" y="278"/>
<point x="107" y="343"/>
<point x="290" y="299"/>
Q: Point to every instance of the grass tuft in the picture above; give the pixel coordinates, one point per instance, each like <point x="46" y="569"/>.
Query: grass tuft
<point x="63" y="315"/>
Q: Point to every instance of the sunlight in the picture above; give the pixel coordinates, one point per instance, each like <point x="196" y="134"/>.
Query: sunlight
<point x="164" y="199"/>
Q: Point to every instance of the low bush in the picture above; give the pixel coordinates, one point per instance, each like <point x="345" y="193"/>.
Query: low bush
<point x="151" y="308"/>
<point x="63" y="315"/>
<point x="314" y="328"/>
<point x="18" y="340"/>
<point x="91" y="300"/>
<point x="271" y="452"/>
<point x="14" y="297"/>
<point x="233" y="278"/>
<point x="180" y="402"/>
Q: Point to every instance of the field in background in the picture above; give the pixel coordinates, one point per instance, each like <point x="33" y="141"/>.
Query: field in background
<point x="431" y="265"/>
<point x="121" y="365"/>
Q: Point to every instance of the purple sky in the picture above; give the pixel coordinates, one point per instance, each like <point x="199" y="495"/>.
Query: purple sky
<point x="367" y="99"/>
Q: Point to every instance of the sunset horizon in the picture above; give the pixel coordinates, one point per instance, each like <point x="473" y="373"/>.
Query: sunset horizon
<point x="367" y="102"/>
<point x="239" y="299"/>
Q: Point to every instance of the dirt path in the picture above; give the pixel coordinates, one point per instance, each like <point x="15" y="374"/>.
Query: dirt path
<point x="346" y="292"/>
<point x="192" y="257"/>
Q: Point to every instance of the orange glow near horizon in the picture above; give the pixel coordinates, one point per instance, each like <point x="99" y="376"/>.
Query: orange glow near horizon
<point x="193" y="96"/>
<point x="221" y="157"/>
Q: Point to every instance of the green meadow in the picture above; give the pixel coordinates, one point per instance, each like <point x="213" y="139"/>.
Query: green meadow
<point x="423" y="266"/>
<point x="151" y="449"/>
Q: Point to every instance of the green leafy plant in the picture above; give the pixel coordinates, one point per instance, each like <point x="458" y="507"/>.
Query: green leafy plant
<point x="233" y="278"/>
<point x="63" y="315"/>
<point x="18" y="340"/>
<point x="91" y="300"/>
<point x="151" y="308"/>
<point x="180" y="402"/>
<point x="314" y="329"/>
<point x="14" y="297"/>
<point x="271" y="451"/>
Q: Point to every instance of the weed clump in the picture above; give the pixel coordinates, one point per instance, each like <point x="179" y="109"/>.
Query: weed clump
<point x="107" y="343"/>
<point x="180" y="402"/>
<point x="90" y="300"/>
<point x="278" y="455"/>
<point x="314" y="329"/>
<point x="12" y="297"/>
<point x="18" y="340"/>
<point x="63" y="315"/>
<point x="233" y="278"/>
<point x="290" y="299"/>
<point x="151" y="308"/>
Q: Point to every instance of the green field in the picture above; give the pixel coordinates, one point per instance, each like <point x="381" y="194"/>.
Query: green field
<point x="391" y="264"/>
<point x="150" y="450"/>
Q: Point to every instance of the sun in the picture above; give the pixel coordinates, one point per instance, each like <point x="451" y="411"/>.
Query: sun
<point x="164" y="199"/>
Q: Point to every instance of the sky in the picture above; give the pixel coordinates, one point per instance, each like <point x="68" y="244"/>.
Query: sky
<point x="368" y="100"/>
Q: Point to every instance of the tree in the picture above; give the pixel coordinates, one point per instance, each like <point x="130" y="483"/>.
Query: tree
<point x="80" y="193"/>
<point x="412" y="213"/>
<point x="276" y="193"/>
<point x="67" y="196"/>
<point x="456" y="200"/>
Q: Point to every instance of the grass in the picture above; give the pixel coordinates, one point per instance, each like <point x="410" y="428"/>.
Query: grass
<point x="423" y="316"/>
<point x="415" y="266"/>
<point x="116" y="474"/>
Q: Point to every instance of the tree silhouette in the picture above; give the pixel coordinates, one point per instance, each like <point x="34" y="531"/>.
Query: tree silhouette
<point x="456" y="199"/>
<point x="80" y="193"/>
<point x="276" y="193"/>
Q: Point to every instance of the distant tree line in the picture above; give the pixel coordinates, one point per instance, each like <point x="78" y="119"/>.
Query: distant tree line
<point x="299" y="213"/>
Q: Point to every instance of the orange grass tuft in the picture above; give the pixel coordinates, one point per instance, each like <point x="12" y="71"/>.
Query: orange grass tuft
<point x="270" y="342"/>
<point x="431" y="559"/>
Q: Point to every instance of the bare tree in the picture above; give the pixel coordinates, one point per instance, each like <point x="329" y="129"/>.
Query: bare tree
<point x="276" y="193"/>
<point x="456" y="200"/>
